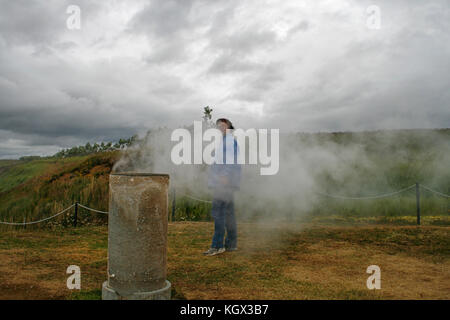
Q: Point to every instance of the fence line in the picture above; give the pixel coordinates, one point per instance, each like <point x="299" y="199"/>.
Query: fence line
<point x="51" y="217"/>
<point x="33" y="222"/>
<point x="95" y="210"/>
<point x="384" y="195"/>
<point x="333" y="196"/>
<point x="209" y="201"/>
<point x="434" y="191"/>
<point x="197" y="199"/>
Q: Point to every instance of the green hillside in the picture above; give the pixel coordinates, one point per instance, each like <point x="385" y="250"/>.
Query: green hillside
<point x="36" y="189"/>
<point x="14" y="173"/>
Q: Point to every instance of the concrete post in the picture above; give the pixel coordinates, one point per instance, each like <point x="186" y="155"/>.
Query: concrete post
<point x="137" y="237"/>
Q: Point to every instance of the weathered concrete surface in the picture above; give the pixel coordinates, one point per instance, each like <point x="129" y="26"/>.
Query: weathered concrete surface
<point x="161" y="294"/>
<point x="137" y="237"/>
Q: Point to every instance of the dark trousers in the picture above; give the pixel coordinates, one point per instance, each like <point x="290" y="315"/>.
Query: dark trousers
<point x="224" y="218"/>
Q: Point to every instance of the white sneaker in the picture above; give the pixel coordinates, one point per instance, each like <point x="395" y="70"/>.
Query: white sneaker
<point x="214" y="251"/>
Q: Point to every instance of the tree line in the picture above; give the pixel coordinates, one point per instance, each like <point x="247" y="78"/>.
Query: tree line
<point x="87" y="149"/>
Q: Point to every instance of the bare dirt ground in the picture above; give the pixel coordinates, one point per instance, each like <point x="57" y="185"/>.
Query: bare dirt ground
<point x="274" y="261"/>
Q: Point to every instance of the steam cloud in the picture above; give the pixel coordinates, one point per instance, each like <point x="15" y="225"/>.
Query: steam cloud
<point x="356" y="164"/>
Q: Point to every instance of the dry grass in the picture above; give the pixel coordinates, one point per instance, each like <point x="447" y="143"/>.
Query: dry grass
<point x="274" y="261"/>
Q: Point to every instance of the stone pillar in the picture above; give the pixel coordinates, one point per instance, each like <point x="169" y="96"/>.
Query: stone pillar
<point x="137" y="237"/>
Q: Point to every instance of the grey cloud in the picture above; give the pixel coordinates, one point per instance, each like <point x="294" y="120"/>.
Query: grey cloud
<point x="254" y="86"/>
<point x="227" y="63"/>
<point x="30" y="21"/>
<point x="163" y="18"/>
<point x="236" y="50"/>
<point x="301" y="26"/>
<point x="244" y="41"/>
<point x="325" y="74"/>
<point x="39" y="22"/>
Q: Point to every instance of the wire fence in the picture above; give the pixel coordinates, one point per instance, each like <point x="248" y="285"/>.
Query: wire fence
<point x="436" y="192"/>
<point x="378" y="196"/>
<point x="38" y="221"/>
<point x="95" y="210"/>
<point x="194" y="198"/>
<point x="417" y="186"/>
<point x="76" y="205"/>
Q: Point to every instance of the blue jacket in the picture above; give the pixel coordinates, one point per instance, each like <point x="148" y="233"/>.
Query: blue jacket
<point x="231" y="171"/>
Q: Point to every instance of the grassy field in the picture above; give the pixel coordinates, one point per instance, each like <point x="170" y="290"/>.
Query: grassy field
<point x="274" y="261"/>
<point x="35" y="189"/>
<point x="16" y="172"/>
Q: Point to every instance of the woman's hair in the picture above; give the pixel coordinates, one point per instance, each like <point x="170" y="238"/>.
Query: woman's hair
<point x="228" y="122"/>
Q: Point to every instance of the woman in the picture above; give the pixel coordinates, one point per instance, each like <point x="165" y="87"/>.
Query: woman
<point x="224" y="179"/>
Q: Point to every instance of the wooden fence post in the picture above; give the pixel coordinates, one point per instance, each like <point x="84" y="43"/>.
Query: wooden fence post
<point x="418" y="202"/>
<point x="173" y="204"/>
<point x="76" y="215"/>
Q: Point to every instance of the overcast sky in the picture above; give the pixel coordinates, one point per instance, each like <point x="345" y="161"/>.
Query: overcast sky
<point x="294" y="65"/>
